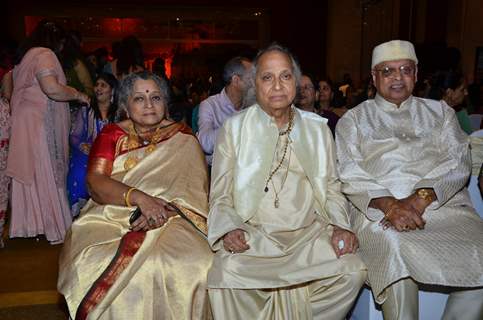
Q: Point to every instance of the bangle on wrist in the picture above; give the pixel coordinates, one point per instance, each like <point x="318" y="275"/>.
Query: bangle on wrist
<point x="425" y="194"/>
<point x="127" y="195"/>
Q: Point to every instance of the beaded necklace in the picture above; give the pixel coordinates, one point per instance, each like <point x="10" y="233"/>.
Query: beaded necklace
<point x="279" y="165"/>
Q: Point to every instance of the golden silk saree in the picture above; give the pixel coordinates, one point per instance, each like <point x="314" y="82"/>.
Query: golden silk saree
<point x="109" y="272"/>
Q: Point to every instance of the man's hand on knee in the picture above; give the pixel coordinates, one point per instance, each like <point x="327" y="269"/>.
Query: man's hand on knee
<point x="344" y="241"/>
<point x="234" y="241"/>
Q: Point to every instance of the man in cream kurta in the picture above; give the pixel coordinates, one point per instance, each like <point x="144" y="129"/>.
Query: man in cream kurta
<point x="290" y="270"/>
<point x="404" y="162"/>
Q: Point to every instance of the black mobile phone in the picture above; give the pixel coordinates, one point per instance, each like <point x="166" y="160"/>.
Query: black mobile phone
<point x="134" y="215"/>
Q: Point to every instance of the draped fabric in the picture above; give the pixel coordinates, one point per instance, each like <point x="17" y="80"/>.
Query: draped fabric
<point x="4" y="179"/>
<point x="39" y="151"/>
<point x="84" y="131"/>
<point x="384" y="150"/>
<point x="108" y="272"/>
<point x="476" y="143"/>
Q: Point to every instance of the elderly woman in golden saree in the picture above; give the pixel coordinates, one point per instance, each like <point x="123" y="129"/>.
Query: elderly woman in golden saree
<point x="156" y="266"/>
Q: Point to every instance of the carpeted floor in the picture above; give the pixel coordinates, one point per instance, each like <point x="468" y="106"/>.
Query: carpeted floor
<point x="39" y="312"/>
<point x="28" y="278"/>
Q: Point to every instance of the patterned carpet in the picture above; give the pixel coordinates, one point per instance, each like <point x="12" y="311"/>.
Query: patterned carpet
<point x="28" y="277"/>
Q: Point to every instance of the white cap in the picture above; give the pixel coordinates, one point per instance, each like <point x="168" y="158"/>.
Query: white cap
<point x="393" y="50"/>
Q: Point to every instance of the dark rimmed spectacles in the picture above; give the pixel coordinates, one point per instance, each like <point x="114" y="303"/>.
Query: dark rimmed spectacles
<point x="388" y="72"/>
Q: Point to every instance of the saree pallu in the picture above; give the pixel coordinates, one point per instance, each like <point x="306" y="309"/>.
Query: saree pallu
<point x="108" y="272"/>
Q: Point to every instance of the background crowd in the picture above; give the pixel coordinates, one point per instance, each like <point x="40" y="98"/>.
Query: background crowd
<point x="74" y="124"/>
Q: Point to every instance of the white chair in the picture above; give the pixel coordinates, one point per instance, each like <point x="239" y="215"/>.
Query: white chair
<point x="473" y="187"/>
<point x="475" y="120"/>
<point x="431" y="306"/>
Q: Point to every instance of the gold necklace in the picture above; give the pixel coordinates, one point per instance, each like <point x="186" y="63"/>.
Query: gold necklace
<point x="276" y="202"/>
<point x="134" y="140"/>
<point x="282" y="133"/>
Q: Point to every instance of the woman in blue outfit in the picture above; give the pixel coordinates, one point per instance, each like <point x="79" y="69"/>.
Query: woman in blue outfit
<point x="88" y="122"/>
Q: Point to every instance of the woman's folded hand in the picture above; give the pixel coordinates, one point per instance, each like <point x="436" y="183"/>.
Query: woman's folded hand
<point x="155" y="211"/>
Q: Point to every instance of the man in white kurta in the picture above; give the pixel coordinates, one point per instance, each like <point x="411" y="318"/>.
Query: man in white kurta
<point x="277" y="185"/>
<point x="404" y="163"/>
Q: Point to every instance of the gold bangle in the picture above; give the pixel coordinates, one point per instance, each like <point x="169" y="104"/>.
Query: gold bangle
<point x="126" y="196"/>
<point x="425" y="194"/>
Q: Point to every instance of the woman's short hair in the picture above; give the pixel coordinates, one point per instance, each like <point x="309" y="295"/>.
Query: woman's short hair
<point x="127" y="85"/>
<point x="276" y="47"/>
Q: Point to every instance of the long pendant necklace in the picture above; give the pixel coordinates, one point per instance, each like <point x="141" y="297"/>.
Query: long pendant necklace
<point x="270" y="176"/>
<point x="276" y="202"/>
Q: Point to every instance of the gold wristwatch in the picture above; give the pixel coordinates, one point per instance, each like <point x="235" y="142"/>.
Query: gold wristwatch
<point x="425" y="194"/>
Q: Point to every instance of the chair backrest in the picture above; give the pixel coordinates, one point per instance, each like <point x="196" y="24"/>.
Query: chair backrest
<point x="475" y="120"/>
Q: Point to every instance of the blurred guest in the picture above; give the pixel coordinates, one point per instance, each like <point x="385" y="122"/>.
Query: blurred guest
<point x="8" y="49"/>
<point x="159" y="68"/>
<point x="5" y="94"/>
<point x="326" y="98"/>
<point x="76" y="72"/>
<point x="199" y="92"/>
<point x="131" y="58"/>
<point x="450" y="87"/>
<point x="96" y="61"/>
<point x="307" y="95"/>
<point x="217" y="108"/>
<point x="88" y="123"/>
<point x="404" y="163"/>
<point x="278" y="221"/>
<point x="346" y="86"/>
<point x="39" y="144"/>
<point x="152" y="266"/>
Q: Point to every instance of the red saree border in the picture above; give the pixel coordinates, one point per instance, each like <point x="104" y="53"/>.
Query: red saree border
<point x="130" y="243"/>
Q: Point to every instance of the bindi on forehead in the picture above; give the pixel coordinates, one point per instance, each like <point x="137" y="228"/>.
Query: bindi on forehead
<point x="147" y="91"/>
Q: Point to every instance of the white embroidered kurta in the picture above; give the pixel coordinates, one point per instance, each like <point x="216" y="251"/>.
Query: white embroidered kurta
<point x="388" y="151"/>
<point x="290" y="244"/>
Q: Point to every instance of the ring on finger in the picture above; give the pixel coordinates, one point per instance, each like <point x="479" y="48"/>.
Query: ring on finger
<point x="341" y="244"/>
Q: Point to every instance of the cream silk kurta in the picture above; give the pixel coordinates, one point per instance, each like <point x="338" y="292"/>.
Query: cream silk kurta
<point x="290" y="244"/>
<point x="388" y="151"/>
<point x="166" y="278"/>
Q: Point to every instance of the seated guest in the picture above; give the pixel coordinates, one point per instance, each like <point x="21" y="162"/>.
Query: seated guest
<point x="450" y="86"/>
<point x="88" y="123"/>
<point x="404" y="162"/>
<point x="326" y="107"/>
<point x="278" y="221"/>
<point x="217" y="108"/>
<point x="114" y="266"/>
<point x="307" y="94"/>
